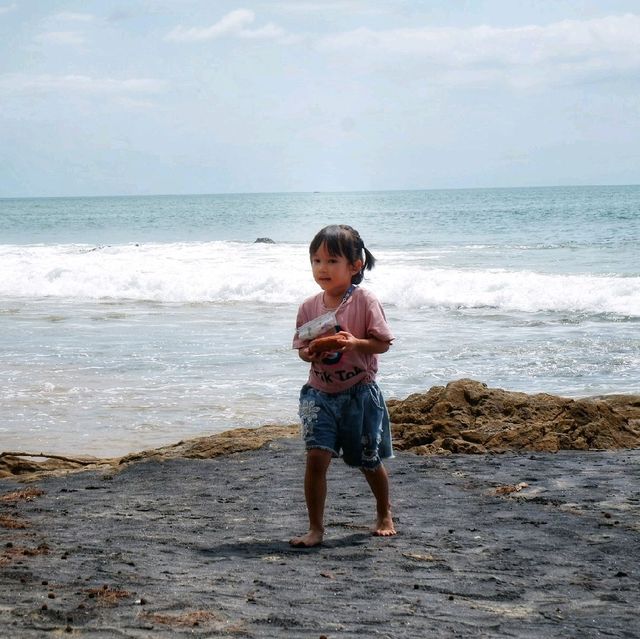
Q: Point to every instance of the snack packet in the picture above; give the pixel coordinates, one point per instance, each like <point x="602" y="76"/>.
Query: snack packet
<point x="317" y="326"/>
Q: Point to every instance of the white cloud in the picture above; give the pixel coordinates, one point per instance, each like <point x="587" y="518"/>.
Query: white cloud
<point x="79" y="84"/>
<point x="61" y="37"/>
<point x="7" y="8"/>
<point x="233" y="24"/>
<point x="75" y="17"/>
<point x="333" y="7"/>
<point x="522" y="56"/>
<point x="270" y="31"/>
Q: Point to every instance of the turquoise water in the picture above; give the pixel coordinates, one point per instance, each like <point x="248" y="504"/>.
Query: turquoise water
<point x="131" y="322"/>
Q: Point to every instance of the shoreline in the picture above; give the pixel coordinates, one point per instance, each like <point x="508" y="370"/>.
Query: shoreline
<point x="465" y="416"/>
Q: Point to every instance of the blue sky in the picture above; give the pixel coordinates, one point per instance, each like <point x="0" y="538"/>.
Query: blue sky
<point x="188" y="96"/>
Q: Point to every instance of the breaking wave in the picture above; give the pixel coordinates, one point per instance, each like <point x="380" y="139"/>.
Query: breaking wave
<point x="202" y="272"/>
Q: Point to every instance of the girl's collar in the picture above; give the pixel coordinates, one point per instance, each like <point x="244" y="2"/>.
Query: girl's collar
<point x="348" y="293"/>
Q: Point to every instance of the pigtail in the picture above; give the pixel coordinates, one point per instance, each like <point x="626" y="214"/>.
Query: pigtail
<point x="369" y="260"/>
<point x="361" y="252"/>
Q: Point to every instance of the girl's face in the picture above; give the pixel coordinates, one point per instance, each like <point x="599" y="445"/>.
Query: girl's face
<point x="333" y="273"/>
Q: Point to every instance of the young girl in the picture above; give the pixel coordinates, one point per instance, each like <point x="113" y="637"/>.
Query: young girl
<point x="341" y="406"/>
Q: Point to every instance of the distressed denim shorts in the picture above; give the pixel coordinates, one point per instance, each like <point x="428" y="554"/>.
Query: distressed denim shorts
<point x="354" y="423"/>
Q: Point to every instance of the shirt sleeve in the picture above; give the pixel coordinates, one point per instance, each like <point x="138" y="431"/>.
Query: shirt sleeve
<point x="300" y="320"/>
<point x="377" y="325"/>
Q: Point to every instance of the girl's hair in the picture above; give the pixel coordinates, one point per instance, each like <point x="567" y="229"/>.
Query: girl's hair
<point x="345" y="241"/>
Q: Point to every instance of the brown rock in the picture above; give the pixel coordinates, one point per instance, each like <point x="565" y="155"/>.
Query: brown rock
<point x="225" y="443"/>
<point x="24" y="467"/>
<point x="468" y="417"/>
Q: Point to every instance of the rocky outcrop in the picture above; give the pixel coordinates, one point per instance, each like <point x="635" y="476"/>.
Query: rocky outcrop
<point x="24" y="465"/>
<point x="28" y="466"/>
<point x="468" y="417"/>
<point x="230" y="441"/>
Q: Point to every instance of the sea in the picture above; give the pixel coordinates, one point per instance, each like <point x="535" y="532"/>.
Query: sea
<point x="128" y="323"/>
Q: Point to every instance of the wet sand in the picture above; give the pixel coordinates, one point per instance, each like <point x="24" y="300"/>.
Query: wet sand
<point x="516" y="545"/>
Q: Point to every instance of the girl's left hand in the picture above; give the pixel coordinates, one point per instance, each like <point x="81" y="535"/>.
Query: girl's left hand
<point x="369" y="345"/>
<point x="351" y="341"/>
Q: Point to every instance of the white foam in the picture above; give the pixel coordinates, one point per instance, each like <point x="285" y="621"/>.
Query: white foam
<point x="273" y="274"/>
<point x="509" y="290"/>
<point x="185" y="272"/>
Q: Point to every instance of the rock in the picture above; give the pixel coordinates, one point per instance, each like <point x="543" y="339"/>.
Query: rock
<point x="20" y="465"/>
<point x="264" y="240"/>
<point x="225" y="443"/>
<point x="23" y="465"/>
<point x="468" y="417"/>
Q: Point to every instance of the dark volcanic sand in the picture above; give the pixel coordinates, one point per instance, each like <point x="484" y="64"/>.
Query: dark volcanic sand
<point x="199" y="548"/>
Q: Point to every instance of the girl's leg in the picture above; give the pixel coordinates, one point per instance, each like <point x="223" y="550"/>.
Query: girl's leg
<point x="315" y="494"/>
<point x="378" y="481"/>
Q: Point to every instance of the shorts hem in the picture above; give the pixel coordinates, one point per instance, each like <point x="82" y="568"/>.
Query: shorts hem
<point x="364" y="466"/>
<point x="318" y="447"/>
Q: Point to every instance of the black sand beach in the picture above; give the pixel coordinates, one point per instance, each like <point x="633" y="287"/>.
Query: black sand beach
<point x="531" y="544"/>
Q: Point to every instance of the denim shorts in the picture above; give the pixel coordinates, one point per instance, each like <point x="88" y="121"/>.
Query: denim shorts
<point x="354" y="423"/>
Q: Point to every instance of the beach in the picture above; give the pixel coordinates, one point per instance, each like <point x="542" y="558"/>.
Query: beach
<point x="199" y="548"/>
<point x="192" y="539"/>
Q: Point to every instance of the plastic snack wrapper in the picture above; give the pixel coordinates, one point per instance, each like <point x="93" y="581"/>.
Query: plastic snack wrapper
<point x="317" y="326"/>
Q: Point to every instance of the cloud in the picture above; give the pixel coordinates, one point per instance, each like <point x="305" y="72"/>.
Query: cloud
<point x="75" y="17"/>
<point x="61" y="37"/>
<point x="234" y="24"/>
<point x="521" y="56"/>
<point x="7" y="8"/>
<point x="79" y="84"/>
<point x="332" y="7"/>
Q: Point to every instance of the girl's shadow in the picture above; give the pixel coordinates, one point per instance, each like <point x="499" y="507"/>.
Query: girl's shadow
<point x="263" y="548"/>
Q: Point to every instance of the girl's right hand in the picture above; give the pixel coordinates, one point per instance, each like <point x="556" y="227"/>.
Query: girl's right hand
<point x="306" y="356"/>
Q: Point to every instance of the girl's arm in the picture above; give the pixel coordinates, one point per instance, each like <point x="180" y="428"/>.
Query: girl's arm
<point x="368" y="345"/>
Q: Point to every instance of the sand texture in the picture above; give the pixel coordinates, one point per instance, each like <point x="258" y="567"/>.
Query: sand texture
<point x="536" y="545"/>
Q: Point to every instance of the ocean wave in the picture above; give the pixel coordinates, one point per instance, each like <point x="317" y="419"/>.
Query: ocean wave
<point x="172" y="272"/>
<point x="522" y="291"/>
<point x="274" y="274"/>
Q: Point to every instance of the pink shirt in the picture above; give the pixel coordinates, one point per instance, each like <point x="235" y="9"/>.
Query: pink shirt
<point x="362" y="316"/>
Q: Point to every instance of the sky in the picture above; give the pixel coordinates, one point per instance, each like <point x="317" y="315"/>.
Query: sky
<point x="143" y="97"/>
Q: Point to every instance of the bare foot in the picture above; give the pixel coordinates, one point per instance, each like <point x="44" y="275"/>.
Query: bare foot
<point x="311" y="539"/>
<point x="384" y="526"/>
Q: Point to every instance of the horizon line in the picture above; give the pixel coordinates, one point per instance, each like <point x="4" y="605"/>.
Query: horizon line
<point x="314" y="192"/>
